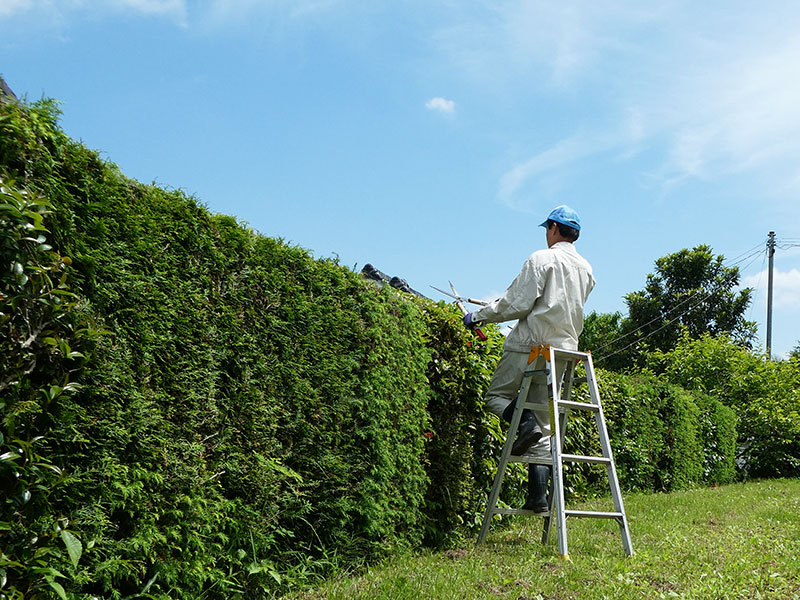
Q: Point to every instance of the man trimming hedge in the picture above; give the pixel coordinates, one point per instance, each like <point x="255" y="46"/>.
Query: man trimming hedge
<point x="547" y="298"/>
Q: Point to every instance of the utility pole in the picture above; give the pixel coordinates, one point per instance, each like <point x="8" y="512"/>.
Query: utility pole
<point x="771" y="254"/>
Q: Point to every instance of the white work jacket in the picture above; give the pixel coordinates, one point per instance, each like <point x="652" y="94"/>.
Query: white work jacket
<point x="547" y="297"/>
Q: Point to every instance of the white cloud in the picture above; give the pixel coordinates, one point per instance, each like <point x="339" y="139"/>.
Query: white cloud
<point x="709" y="93"/>
<point x="441" y="105"/>
<point x="12" y="7"/>
<point x="51" y="12"/>
<point x="552" y="44"/>
<point x="539" y="180"/>
<point x="785" y="288"/>
<point x="222" y="12"/>
<point x="738" y="115"/>
<point x="557" y="157"/>
<point x="155" y="7"/>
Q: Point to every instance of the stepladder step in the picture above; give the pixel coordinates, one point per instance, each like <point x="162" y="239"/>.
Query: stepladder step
<point x="521" y="511"/>
<point x="594" y="514"/>
<point x="597" y="460"/>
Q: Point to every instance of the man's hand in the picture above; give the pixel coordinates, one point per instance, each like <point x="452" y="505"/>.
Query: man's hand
<point x="474" y="325"/>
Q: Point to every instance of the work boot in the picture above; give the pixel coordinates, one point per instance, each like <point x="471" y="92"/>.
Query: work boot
<point x="529" y="431"/>
<point x="538" y="476"/>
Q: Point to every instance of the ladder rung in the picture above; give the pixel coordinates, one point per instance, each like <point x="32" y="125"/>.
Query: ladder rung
<point x="579" y="380"/>
<point x="598" y="460"/>
<point x="578" y="405"/>
<point x="519" y="511"/>
<point x="590" y="514"/>
<point x="532" y="372"/>
<point x="536" y="405"/>
<point x="530" y="460"/>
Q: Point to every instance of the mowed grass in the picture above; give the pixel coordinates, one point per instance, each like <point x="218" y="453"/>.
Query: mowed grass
<point x="737" y="541"/>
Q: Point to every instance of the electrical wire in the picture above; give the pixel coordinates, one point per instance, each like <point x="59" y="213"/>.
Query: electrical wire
<point x="755" y="251"/>
<point x="751" y="255"/>
<point x="758" y="283"/>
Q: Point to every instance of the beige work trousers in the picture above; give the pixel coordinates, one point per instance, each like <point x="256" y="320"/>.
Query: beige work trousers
<point x="504" y="388"/>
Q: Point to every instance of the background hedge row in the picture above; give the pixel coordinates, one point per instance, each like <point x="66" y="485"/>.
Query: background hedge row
<point x="249" y="417"/>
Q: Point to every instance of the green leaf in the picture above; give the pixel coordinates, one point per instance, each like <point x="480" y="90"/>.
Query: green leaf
<point x="58" y="588"/>
<point x="74" y="547"/>
<point x="52" y="467"/>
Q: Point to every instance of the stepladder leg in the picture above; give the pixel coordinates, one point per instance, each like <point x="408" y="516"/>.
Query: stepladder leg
<point x="502" y="465"/>
<point x="556" y="446"/>
<point x="492" y="503"/>
<point x="548" y="520"/>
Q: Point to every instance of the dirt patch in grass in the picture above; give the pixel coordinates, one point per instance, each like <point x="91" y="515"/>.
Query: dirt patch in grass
<point x="455" y="554"/>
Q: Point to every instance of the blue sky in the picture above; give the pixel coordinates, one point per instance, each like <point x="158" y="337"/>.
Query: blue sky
<point x="430" y="137"/>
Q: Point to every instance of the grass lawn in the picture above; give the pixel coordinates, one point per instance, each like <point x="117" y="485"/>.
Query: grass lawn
<point x="736" y="541"/>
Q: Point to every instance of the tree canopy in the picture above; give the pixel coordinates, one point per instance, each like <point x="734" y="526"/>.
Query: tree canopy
<point x="690" y="291"/>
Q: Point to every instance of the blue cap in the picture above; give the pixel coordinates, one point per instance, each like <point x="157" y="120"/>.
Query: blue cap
<point x="565" y="215"/>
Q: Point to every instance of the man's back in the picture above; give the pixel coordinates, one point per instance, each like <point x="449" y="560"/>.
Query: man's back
<point x="547" y="298"/>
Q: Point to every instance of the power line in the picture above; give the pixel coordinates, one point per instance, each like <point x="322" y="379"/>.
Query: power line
<point x="753" y="254"/>
<point x="758" y="283"/>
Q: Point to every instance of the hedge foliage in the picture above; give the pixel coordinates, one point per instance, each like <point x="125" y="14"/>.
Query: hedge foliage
<point x="251" y="415"/>
<point x="765" y="395"/>
<point x="41" y="334"/>
<point x="251" y="411"/>
<point x="252" y="418"/>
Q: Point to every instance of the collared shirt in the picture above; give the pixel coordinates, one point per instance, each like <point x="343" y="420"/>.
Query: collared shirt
<point x="547" y="297"/>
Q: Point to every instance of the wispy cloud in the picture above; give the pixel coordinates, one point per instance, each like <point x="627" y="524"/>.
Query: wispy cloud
<point x="785" y="288"/>
<point x="9" y="8"/>
<point x="515" y="185"/>
<point x="441" y="105"/>
<point x="224" y="12"/>
<point x="709" y="98"/>
<point x="50" y="11"/>
<point x="536" y="182"/>
<point x="155" y="7"/>
<point x="552" y="44"/>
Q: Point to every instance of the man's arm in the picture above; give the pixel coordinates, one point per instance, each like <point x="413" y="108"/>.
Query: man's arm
<point x="518" y="299"/>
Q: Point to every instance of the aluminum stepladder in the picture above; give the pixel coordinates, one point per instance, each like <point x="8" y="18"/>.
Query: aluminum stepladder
<point x="559" y="415"/>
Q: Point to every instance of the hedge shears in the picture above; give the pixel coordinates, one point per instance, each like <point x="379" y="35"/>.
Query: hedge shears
<point x="460" y="304"/>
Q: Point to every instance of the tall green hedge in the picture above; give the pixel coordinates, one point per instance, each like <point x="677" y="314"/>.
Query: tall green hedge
<point x="251" y="413"/>
<point x="251" y="417"/>
<point x="764" y="394"/>
<point x="663" y="437"/>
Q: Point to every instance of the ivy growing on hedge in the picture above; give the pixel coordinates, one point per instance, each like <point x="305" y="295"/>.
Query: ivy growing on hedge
<point x="254" y="418"/>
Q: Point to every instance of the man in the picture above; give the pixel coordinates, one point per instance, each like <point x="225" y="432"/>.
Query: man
<point x="547" y="298"/>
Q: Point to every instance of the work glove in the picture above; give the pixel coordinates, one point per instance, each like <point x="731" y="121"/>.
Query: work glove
<point x="470" y="322"/>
